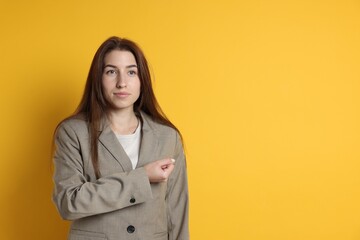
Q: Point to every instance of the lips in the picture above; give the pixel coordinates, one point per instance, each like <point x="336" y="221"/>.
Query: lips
<point x="121" y="94"/>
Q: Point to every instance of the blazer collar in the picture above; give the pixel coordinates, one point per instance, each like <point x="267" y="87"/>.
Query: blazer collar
<point x="148" y="144"/>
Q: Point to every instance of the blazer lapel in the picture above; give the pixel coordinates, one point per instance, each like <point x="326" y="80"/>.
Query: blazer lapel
<point x="108" y="139"/>
<point x="149" y="142"/>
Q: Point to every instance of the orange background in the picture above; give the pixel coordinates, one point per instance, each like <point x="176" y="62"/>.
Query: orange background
<point x="266" y="94"/>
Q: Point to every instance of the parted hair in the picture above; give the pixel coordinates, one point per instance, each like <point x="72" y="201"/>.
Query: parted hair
<point x="94" y="105"/>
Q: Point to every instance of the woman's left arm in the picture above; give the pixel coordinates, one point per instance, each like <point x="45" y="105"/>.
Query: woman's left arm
<point x="177" y="197"/>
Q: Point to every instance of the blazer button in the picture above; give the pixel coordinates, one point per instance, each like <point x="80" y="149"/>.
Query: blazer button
<point x="132" y="200"/>
<point x="130" y="229"/>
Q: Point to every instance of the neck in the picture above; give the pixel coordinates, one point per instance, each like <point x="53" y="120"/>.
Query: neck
<point x="123" y="122"/>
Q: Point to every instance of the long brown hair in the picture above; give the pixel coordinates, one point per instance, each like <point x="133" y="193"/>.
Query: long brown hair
<point x="94" y="105"/>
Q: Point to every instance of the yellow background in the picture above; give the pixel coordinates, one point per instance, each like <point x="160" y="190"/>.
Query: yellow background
<point x="266" y="94"/>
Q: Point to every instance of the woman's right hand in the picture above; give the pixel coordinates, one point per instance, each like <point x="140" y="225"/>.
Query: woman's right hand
<point x="160" y="170"/>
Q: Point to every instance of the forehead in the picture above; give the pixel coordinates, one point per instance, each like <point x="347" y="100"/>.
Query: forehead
<point x="120" y="58"/>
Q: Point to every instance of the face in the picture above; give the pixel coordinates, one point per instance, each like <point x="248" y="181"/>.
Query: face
<point x="120" y="80"/>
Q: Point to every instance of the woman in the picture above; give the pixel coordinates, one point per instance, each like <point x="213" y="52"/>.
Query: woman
<point x="115" y="171"/>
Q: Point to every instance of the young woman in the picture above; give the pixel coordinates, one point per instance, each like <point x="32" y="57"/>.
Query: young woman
<point x="120" y="170"/>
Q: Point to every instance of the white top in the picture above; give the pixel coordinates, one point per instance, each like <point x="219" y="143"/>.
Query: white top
<point x="131" y="145"/>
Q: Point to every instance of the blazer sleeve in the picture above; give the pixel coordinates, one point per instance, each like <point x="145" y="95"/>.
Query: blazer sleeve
<point x="177" y="197"/>
<point x="75" y="197"/>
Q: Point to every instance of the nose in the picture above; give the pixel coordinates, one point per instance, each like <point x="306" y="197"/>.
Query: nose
<point x="121" y="81"/>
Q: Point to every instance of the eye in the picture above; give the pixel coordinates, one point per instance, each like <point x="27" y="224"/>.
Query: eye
<point x="132" y="73"/>
<point x="114" y="72"/>
<point x="111" y="72"/>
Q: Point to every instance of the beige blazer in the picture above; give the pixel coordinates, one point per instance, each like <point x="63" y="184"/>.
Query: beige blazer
<point x="122" y="204"/>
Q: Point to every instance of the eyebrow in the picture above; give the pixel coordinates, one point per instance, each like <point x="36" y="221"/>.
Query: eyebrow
<point x="113" y="66"/>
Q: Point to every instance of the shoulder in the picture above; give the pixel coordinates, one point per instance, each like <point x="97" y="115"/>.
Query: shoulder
<point x="168" y="136"/>
<point x="160" y="129"/>
<point x="73" y="125"/>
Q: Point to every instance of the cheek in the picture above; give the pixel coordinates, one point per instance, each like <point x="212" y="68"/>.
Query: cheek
<point x="138" y="86"/>
<point x="106" y="85"/>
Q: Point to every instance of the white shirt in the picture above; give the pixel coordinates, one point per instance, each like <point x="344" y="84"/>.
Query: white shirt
<point x="131" y="145"/>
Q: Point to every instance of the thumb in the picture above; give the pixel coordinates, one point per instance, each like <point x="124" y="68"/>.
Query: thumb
<point x="166" y="162"/>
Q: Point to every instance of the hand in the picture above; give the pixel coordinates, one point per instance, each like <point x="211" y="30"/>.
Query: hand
<point x="160" y="170"/>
